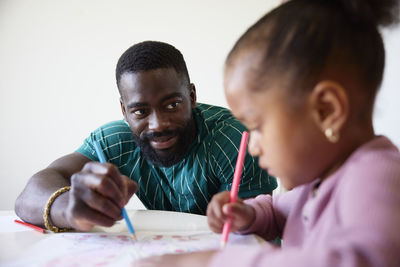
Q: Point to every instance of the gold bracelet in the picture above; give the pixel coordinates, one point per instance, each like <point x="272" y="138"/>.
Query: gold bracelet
<point x="46" y="215"/>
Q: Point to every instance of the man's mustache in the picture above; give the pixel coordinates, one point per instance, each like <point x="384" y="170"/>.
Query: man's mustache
<point x="152" y="135"/>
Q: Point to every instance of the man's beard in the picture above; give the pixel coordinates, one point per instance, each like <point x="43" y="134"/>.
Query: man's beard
<point x="178" y="150"/>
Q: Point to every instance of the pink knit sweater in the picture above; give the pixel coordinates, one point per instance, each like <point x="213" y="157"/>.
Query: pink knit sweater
<point x="352" y="220"/>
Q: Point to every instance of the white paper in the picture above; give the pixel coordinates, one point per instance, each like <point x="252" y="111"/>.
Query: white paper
<point x="110" y="249"/>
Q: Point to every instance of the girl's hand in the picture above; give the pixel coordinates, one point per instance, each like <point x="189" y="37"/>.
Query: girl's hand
<point x="195" y="259"/>
<point x="219" y="210"/>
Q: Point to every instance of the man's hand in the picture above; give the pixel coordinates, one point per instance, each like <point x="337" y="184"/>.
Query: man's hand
<point x="98" y="194"/>
<point x="220" y="209"/>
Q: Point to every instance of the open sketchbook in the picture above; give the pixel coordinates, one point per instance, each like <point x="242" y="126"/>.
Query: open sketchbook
<point x="117" y="248"/>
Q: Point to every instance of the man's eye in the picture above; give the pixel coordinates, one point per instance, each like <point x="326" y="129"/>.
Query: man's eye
<point x="172" y="105"/>
<point x="139" y="112"/>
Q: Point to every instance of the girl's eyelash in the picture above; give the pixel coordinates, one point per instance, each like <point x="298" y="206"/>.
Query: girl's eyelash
<point x="256" y="128"/>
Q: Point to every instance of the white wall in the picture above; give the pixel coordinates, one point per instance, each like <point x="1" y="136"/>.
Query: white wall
<point x="387" y="108"/>
<point x="57" y="61"/>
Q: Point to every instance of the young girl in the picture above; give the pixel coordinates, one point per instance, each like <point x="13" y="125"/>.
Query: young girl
<point x="303" y="79"/>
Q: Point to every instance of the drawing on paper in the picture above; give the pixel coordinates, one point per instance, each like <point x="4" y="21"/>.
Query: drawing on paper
<point x="94" y="249"/>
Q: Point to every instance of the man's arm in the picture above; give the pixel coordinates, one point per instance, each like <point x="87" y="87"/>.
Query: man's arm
<point x="98" y="193"/>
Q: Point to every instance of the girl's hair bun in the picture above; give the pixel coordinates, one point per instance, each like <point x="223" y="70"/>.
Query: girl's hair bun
<point x="378" y="12"/>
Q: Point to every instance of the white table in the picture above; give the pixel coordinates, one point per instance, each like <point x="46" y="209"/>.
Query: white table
<point x="17" y="241"/>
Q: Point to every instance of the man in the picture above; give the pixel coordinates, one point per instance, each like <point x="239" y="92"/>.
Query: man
<point x="175" y="153"/>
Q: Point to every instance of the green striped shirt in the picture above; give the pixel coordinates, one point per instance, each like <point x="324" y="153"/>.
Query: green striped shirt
<point x="188" y="185"/>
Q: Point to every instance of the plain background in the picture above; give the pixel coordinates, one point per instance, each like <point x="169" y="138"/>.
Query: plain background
<point x="57" y="63"/>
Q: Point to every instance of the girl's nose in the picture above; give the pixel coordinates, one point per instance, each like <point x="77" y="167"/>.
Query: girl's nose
<point x="254" y="148"/>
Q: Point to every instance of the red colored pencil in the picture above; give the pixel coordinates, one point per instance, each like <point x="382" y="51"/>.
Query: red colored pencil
<point x="235" y="185"/>
<point x="34" y="227"/>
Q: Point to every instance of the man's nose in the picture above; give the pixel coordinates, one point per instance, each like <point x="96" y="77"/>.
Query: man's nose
<point x="158" y="122"/>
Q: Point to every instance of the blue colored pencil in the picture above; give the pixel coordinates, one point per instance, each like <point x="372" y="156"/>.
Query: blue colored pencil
<point x="102" y="159"/>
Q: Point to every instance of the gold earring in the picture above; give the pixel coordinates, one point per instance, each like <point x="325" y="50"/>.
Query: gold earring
<point x="331" y="136"/>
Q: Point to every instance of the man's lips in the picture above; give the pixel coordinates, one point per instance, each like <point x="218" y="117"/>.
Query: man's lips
<point x="163" y="142"/>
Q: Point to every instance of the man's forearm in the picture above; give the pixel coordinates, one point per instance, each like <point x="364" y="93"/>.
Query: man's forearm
<point x="30" y="204"/>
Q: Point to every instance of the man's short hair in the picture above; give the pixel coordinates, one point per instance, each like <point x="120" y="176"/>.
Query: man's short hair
<point x="149" y="55"/>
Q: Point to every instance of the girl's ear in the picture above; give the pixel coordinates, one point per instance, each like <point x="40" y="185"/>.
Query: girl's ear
<point x="330" y="108"/>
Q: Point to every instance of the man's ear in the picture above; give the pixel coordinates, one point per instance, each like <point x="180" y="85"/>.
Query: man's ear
<point x="330" y="106"/>
<point x="123" y="108"/>
<point x="193" y="97"/>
